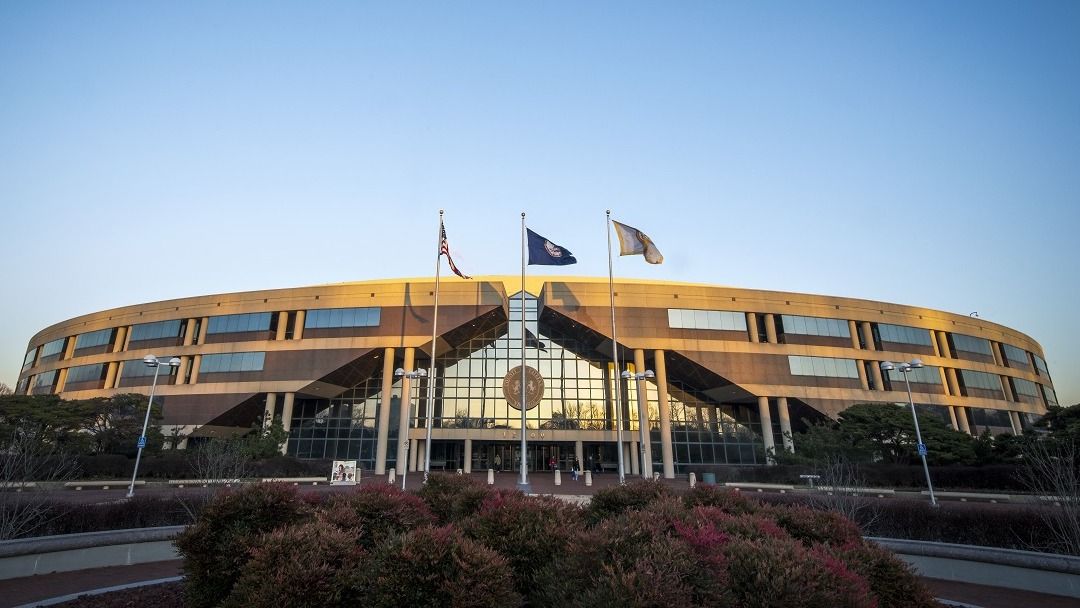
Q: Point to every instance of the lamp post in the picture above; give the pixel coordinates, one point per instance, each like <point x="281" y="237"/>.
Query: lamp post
<point x="413" y="375"/>
<point x="643" y="417"/>
<point x="905" y="369"/>
<point x="150" y="361"/>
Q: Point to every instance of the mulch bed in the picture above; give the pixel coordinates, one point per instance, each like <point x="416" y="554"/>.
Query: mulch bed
<point x="167" y="595"/>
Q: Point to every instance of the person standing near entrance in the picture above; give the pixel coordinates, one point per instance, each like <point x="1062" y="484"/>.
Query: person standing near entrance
<point x="552" y="463"/>
<point x="498" y="462"/>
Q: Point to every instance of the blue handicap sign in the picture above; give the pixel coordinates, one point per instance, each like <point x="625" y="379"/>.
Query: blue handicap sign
<point x="142" y="441"/>
<point x="922" y="449"/>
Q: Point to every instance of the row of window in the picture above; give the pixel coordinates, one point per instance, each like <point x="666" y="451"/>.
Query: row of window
<point x="706" y="319"/>
<point x="826" y="367"/>
<point x="902" y="334"/>
<point x="157" y="330"/>
<point x="86" y="373"/>
<point x="983" y="380"/>
<point x="324" y="318"/>
<point x="227" y="324"/>
<point x="94" y="338"/>
<point x="971" y="344"/>
<point x="927" y="374"/>
<point x="814" y="326"/>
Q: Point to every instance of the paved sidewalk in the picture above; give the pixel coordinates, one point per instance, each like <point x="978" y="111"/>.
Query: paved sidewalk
<point x="26" y="590"/>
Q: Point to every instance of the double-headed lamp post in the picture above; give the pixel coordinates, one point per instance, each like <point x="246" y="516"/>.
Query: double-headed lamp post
<point x="905" y="369"/>
<point x="643" y="417"/>
<point x="413" y="375"/>
<point x="150" y="361"/>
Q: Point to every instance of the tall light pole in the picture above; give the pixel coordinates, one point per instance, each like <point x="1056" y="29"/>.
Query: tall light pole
<point x="413" y="375"/>
<point x="643" y="417"/>
<point x="150" y="361"/>
<point x="905" y="369"/>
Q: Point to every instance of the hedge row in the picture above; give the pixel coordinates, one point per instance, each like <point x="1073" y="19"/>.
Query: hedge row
<point x="458" y="543"/>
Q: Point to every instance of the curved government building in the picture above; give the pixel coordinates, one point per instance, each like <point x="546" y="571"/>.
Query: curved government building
<point x="723" y="373"/>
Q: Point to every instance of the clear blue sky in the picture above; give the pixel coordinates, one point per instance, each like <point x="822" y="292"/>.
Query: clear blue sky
<point x="918" y="153"/>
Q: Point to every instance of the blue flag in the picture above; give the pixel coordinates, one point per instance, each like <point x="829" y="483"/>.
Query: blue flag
<point x="543" y="252"/>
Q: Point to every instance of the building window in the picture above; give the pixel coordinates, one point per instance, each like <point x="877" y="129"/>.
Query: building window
<point x="156" y="331"/>
<point x="229" y="324"/>
<point x="1025" y="387"/>
<point x="327" y="318"/>
<point x="20" y="388"/>
<point x="902" y="334"/>
<point x="232" y="362"/>
<point x="1040" y="366"/>
<point x="814" y="326"/>
<point x="927" y="374"/>
<point x="971" y="344"/>
<point x="94" y="338"/>
<point x="826" y="367"/>
<point x="980" y="380"/>
<point x="1049" y="395"/>
<point x="52" y="350"/>
<point x="86" y="373"/>
<point x="28" y="360"/>
<point x="706" y="319"/>
<point x="136" y="368"/>
<point x="45" y="380"/>
<point x="1016" y="355"/>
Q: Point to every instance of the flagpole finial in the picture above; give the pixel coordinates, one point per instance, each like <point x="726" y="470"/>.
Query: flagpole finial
<point x="440" y="211"/>
<point x="522" y="214"/>
<point x="609" y="212"/>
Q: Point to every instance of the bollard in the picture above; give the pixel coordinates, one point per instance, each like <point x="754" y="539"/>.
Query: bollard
<point x="391" y="476"/>
<point x="656" y="476"/>
<point x="588" y="478"/>
<point x="693" y="480"/>
<point x="558" y="477"/>
<point x="491" y="477"/>
<point x="459" y="472"/>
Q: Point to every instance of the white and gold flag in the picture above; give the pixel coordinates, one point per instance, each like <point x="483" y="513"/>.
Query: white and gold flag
<point x="633" y="242"/>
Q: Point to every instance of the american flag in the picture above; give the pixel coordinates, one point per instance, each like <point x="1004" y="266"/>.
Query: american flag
<point x="444" y="249"/>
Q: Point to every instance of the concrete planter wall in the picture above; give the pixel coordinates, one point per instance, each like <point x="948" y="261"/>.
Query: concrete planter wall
<point x="69" y="552"/>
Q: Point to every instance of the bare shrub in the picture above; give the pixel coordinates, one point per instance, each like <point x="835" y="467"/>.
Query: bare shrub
<point x="29" y="466"/>
<point x="842" y="486"/>
<point x="1051" y="470"/>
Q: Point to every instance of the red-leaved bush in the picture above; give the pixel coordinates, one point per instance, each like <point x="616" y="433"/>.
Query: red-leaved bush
<point x="374" y="513"/>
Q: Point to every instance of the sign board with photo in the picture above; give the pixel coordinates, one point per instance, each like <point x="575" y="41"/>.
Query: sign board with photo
<point x="344" y="473"/>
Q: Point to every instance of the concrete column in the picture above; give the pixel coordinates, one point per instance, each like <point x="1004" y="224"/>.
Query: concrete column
<point x="766" y="428"/>
<point x="195" y="363"/>
<point x="282" y="324"/>
<point x="110" y="374"/>
<point x="61" y="380"/>
<point x="714" y="423"/>
<point x="406" y="405"/>
<point x="785" y="423"/>
<point x="634" y="470"/>
<point x="204" y="325"/>
<point x="770" y="328"/>
<point x="853" y="329"/>
<point x="268" y="411"/>
<point x="643" y="409"/>
<point x="666" y="451"/>
<point x="298" y="329"/>
<point x="468" y="456"/>
<point x="942" y="344"/>
<point x="119" y="375"/>
<point x="962" y="418"/>
<point x="414" y="453"/>
<point x="181" y="372"/>
<point x="286" y="416"/>
<point x="1014" y="419"/>
<point x="952" y="418"/>
<point x="995" y="348"/>
<point x="579" y="454"/>
<point x="875" y="370"/>
<point x="751" y="326"/>
<point x="954" y="384"/>
<point x="69" y="348"/>
<point x="189" y="332"/>
<point x="127" y="338"/>
<point x="1006" y="388"/>
<point x="944" y="380"/>
<point x="934" y="342"/>
<point x="385" y="400"/>
<point x="861" y="368"/>
<point x="868" y="336"/>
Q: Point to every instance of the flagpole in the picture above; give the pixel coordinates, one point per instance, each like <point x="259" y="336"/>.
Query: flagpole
<point x="615" y="354"/>
<point x="523" y="483"/>
<point x="431" y="368"/>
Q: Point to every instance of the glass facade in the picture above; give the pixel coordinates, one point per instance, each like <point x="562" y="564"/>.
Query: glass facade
<point x="1015" y="355"/>
<point x="344" y="428"/>
<point x="51" y="350"/>
<point x="136" y="368"/>
<point x="826" y="367"/>
<point x="971" y="344"/>
<point x="1040" y="366"/>
<point x="342" y="317"/>
<point x="86" y="373"/>
<point x="981" y="380"/>
<point x="902" y="334"/>
<point x="94" y="338"/>
<point x="814" y="326"/>
<point x="45" y="380"/>
<point x="156" y="331"/>
<point x="1049" y="395"/>
<point x="927" y="374"/>
<point x="232" y="362"/>
<point x="228" y="324"/>
<point x="28" y="360"/>
<point x="1025" y="387"/>
<point x="706" y="319"/>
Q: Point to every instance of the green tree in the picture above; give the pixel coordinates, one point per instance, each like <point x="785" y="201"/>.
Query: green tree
<point x="46" y="416"/>
<point x="114" y="424"/>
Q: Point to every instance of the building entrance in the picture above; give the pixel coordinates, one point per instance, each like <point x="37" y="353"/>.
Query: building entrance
<point x="506" y="456"/>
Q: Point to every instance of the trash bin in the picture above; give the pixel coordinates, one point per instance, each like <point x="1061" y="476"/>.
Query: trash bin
<point x="708" y="479"/>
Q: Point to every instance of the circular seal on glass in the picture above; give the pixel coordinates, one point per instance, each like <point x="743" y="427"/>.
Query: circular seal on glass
<point x="534" y="387"/>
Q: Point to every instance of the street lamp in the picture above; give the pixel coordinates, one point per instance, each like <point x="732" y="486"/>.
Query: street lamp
<point x="905" y="369"/>
<point x="150" y="361"/>
<point x="413" y="375"/>
<point x="643" y="417"/>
